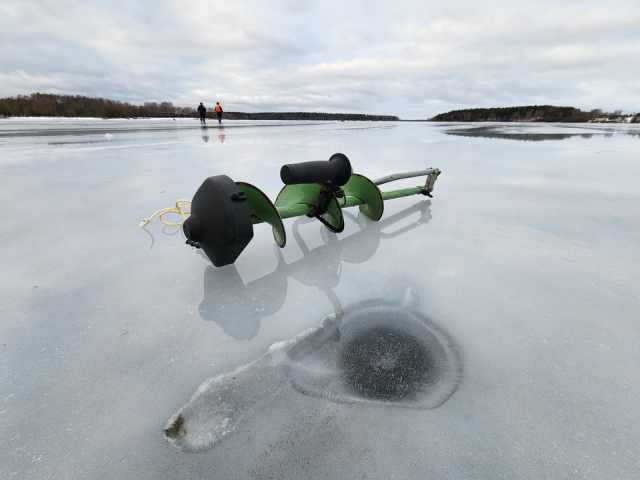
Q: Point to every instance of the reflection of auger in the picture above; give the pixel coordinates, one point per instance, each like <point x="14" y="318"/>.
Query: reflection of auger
<point x="238" y="307"/>
<point x="223" y="211"/>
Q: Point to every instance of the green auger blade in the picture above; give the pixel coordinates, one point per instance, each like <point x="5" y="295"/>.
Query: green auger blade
<point x="262" y="210"/>
<point x="334" y="216"/>
<point x="370" y="199"/>
<point x="302" y="199"/>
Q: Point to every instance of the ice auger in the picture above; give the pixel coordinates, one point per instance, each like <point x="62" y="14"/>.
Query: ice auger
<point x="223" y="212"/>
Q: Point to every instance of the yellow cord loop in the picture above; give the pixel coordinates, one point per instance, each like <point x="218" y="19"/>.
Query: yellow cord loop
<point x="182" y="210"/>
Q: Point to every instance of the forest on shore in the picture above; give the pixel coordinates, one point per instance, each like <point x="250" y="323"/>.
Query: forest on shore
<point x="534" y="113"/>
<point x="51" y="105"/>
<point x="308" y="116"/>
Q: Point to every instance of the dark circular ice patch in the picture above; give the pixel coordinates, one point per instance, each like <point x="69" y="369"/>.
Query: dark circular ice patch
<point x="387" y="353"/>
<point x="385" y="363"/>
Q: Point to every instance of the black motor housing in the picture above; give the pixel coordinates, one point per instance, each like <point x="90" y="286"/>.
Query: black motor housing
<point x="220" y="220"/>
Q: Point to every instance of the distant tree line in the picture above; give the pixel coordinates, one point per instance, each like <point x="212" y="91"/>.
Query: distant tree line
<point x="535" y="113"/>
<point x="51" y="105"/>
<point x="308" y="116"/>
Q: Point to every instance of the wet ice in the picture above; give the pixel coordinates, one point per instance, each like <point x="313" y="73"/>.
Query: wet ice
<point x="526" y="259"/>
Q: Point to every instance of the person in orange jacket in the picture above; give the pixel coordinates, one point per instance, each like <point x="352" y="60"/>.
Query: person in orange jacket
<point x="219" y="112"/>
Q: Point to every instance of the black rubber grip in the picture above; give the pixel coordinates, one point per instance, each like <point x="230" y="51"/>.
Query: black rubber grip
<point x="336" y="170"/>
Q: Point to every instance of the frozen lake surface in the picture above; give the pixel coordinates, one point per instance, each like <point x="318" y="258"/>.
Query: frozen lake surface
<point x="508" y="305"/>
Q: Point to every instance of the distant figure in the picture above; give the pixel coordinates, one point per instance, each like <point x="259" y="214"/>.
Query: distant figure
<point x="203" y="111"/>
<point x="219" y="112"/>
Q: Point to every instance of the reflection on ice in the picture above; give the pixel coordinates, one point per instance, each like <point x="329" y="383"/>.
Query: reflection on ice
<point x="529" y="134"/>
<point x="221" y="403"/>
<point x="205" y="133"/>
<point x="237" y="308"/>
<point x="240" y="318"/>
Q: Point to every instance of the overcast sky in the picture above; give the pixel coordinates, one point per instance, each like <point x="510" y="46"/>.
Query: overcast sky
<point x="413" y="59"/>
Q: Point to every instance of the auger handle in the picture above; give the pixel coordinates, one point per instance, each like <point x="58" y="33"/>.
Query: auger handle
<point x="336" y="170"/>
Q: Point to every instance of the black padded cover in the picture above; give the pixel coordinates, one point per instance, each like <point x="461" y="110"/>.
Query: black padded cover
<point x="220" y="220"/>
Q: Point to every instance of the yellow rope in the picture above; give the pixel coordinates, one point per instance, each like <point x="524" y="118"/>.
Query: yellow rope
<point x="182" y="210"/>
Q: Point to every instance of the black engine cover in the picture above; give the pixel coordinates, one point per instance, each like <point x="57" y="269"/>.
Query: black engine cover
<point x="220" y="220"/>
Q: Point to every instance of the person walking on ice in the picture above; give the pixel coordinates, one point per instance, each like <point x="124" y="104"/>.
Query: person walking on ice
<point x="202" y="110"/>
<point x="219" y="112"/>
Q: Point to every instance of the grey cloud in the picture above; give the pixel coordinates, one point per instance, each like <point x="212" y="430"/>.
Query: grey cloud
<point x="412" y="59"/>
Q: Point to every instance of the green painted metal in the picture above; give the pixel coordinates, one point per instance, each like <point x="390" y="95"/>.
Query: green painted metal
<point x="403" y="192"/>
<point x="262" y="210"/>
<point x="295" y="210"/>
<point x="352" y="202"/>
<point x="306" y="195"/>
<point x="334" y="216"/>
<point x="302" y="199"/>
<point x="368" y="192"/>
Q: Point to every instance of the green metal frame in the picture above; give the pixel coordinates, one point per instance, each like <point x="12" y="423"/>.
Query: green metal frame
<point x="302" y="199"/>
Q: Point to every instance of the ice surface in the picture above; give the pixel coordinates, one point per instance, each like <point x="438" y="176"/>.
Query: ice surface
<point x="526" y="264"/>
<point x="382" y="354"/>
<point x="221" y="403"/>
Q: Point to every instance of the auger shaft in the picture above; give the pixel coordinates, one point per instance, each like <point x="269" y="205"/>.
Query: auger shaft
<point x="400" y="176"/>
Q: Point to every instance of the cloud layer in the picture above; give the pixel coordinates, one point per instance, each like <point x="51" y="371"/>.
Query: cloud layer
<point x="413" y="59"/>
